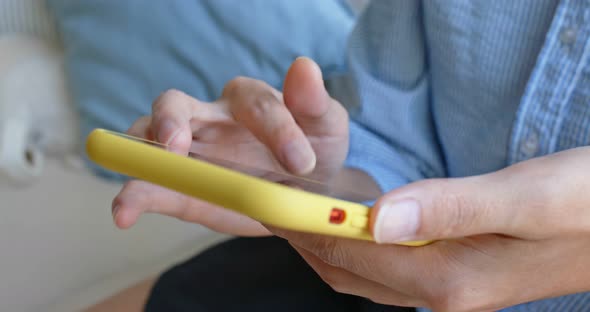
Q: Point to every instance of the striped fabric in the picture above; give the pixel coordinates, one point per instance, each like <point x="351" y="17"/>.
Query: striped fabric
<point x="29" y="17"/>
<point x="451" y="88"/>
<point x="555" y="111"/>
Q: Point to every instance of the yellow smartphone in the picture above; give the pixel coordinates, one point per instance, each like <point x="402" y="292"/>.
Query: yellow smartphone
<point x="262" y="200"/>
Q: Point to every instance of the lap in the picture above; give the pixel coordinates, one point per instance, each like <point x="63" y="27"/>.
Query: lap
<point x="250" y="274"/>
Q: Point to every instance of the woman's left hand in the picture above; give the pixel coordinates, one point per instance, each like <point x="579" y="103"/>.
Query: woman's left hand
<point x="512" y="236"/>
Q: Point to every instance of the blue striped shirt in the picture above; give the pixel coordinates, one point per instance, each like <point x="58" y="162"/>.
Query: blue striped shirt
<point x="451" y="88"/>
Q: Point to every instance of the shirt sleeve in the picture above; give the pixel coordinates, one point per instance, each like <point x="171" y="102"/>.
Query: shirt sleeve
<point x="392" y="134"/>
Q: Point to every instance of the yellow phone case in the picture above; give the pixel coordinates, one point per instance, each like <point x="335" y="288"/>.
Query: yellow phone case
<point x="271" y="203"/>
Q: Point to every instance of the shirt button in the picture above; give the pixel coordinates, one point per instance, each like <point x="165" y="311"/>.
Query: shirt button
<point x="568" y="36"/>
<point x="530" y="145"/>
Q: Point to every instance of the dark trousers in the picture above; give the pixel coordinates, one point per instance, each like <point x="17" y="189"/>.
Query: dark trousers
<point x="251" y="274"/>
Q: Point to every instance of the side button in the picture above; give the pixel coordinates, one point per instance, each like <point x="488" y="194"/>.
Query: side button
<point x="360" y="222"/>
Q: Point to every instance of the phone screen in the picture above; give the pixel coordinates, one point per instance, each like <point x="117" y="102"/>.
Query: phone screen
<point x="299" y="182"/>
<point x="306" y="184"/>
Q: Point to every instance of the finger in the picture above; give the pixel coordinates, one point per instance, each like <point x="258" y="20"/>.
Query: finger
<point x="379" y="263"/>
<point x="312" y="107"/>
<point x="452" y="208"/>
<point x="138" y="197"/>
<point x="346" y="282"/>
<point x="173" y="114"/>
<point x="259" y="108"/>
<point x="142" y="128"/>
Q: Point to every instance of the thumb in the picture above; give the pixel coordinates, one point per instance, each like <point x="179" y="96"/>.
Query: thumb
<point x="310" y="104"/>
<point x="444" y="208"/>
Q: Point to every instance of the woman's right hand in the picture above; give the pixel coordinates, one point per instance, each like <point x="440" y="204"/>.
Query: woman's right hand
<point x="302" y="131"/>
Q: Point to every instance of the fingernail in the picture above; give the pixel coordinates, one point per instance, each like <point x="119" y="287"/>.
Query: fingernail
<point x="115" y="211"/>
<point x="317" y="67"/>
<point x="168" y="130"/>
<point x="397" y="221"/>
<point x="298" y="157"/>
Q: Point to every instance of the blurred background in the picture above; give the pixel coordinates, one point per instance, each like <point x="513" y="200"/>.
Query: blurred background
<point x="67" y="67"/>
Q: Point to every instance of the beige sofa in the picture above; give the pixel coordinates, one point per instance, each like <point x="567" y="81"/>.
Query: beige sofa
<point x="59" y="248"/>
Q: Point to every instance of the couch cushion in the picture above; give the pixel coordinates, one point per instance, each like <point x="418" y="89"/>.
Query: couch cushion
<point x="121" y="55"/>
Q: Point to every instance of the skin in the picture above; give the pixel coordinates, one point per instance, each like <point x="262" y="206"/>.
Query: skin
<point x="512" y="236"/>
<point x="302" y="131"/>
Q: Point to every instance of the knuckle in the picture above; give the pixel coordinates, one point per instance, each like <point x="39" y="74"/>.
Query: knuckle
<point x="184" y="212"/>
<point x="263" y="107"/>
<point x="252" y="100"/>
<point x="233" y="86"/>
<point x="167" y="98"/>
<point x="329" y="251"/>
<point x="454" y="210"/>
<point x="126" y="191"/>
<point x="460" y="213"/>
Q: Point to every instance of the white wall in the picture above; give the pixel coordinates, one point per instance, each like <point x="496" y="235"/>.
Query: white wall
<point x="60" y="251"/>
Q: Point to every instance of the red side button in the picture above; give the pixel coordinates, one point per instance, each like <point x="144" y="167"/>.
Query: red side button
<point x="337" y="216"/>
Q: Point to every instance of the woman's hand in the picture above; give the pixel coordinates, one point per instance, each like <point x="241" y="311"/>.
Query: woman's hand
<point x="513" y="236"/>
<point x="301" y="131"/>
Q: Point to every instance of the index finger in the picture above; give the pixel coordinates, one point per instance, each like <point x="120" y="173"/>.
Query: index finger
<point x="259" y="108"/>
